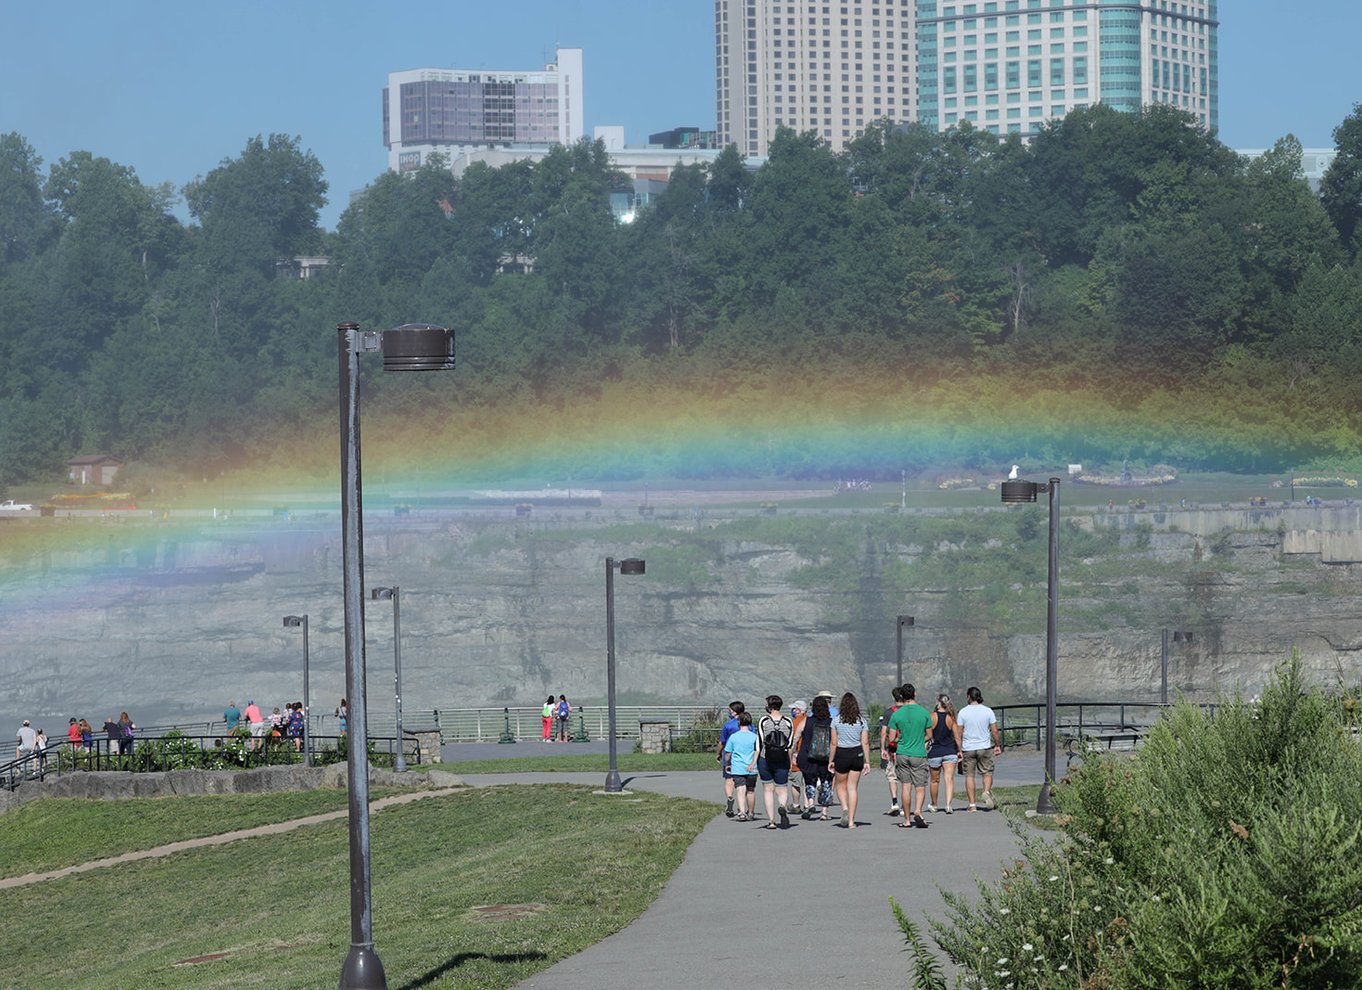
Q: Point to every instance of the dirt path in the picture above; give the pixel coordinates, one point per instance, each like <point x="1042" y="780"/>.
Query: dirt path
<point x="275" y="828"/>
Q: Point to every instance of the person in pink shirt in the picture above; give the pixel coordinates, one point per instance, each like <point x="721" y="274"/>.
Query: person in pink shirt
<point x="256" y="720"/>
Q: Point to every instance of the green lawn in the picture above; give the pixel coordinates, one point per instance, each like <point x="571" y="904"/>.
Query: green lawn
<point x="50" y="833"/>
<point x="587" y="762"/>
<point x="278" y="907"/>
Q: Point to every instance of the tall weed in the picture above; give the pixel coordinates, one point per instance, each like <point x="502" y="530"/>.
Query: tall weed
<point x="1226" y="853"/>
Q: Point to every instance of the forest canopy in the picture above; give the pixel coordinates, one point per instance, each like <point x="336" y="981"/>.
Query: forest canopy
<point x="1125" y="263"/>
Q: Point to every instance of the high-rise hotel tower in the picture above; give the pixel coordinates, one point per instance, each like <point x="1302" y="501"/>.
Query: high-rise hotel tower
<point x="1007" y="66"/>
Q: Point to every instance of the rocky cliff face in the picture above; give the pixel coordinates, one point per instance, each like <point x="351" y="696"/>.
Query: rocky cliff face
<point x="498" y="611"/>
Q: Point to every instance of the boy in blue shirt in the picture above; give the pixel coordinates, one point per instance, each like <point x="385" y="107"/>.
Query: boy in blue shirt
<point x="741" y="766"/>
<point x="735" y="709"/>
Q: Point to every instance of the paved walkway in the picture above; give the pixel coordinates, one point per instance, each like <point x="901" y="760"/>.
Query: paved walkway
<point x="748" y="902"/>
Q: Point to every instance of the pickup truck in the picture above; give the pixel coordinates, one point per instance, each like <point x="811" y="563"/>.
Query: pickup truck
<point x="9" y="505"/>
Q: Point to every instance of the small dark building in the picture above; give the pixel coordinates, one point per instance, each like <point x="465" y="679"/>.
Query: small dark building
<point x="93" y="469"/>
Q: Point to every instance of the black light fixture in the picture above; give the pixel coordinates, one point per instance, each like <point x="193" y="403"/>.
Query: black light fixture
<point x="1013" y="492"/>
<point x="394" y="593"/>
<point x="1176" y="636"/>
<point x="410" y="347"/>
<point x="294" y="622"/>
<point x="903" y="622"/>
<point x="630" y="565"/>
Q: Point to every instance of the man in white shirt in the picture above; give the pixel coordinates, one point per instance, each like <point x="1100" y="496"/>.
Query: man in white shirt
<point x="26" y="736"/>
<point x="979" y="743"/>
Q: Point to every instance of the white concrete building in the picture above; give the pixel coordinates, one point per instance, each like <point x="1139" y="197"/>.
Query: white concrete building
<point x="450" y="111"/>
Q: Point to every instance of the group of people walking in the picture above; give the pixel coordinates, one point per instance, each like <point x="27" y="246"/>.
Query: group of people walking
<point x="817" y="754"/>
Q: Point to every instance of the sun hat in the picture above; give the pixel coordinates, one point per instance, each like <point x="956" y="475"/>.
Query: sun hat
<point x="823" y="694"/>
<point x="800" y="706"/>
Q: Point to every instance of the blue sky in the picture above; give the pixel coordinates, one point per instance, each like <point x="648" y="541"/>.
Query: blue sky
<point x="172" y="88"/>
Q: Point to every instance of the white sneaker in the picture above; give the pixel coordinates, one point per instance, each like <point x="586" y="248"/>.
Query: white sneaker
<point x="931" y="807"/>
<point x="948" y="810"/>
<point x="988" y="800"/>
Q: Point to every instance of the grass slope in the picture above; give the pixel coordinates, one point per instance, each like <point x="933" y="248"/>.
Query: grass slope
<point x="278" y="907"/>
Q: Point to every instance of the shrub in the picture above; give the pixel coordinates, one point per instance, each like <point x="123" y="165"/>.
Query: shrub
<point x="1227" y="853"/>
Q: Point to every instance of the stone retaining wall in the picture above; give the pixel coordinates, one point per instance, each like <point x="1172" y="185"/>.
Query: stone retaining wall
<point x="117" y="784"/>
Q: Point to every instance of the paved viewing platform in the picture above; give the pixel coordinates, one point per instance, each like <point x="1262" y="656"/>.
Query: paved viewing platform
<point x="752" y="903"/>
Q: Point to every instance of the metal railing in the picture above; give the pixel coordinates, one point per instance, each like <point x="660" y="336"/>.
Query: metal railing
<point x="1019" y="723"/>
<point x="176" y="750"/>
<point x="525" y="723"/>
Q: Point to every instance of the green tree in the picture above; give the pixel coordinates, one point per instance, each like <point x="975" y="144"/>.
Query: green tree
<point x="26" y="220"/>
<point x="1341" y="188"/>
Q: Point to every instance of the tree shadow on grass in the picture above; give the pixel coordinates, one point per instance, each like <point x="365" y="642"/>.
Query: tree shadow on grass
<point x="426" y="979"/>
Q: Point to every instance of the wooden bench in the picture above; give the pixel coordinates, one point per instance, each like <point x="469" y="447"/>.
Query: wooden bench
<point x="1093" y="739"/>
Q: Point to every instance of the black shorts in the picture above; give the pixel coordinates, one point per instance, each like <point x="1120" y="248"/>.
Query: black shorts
<point x="849" y="759"/>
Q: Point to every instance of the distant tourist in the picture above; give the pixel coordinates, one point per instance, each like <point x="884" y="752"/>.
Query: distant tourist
<point x="546" y="713"/>
<point x="774" y="733"/>
<point x="943" y="752"/>
<point x="87" y="734"/>
<point x="232" y="716"/>
<point x="980" y="742"/>
<point x="888" y="751"/>
<point x="40" y="749"/>
<point x="343" y="714"/>
<point x="277" y="720"/>
<point x="296" y="725"/>
<point x="126" y="732"/>
<point x="73" y="734"/>
<point x="799" y="712"/>
<point x="563" y="714"/>
<point x="740" y="758"/>
<point x="256" y="720"/>
<point x="813" y="751"/>
<point x="730" y="726"/>
<point x="849" y="764"/>
<point x="909" y="729"/>
<point x="114" y="731"/>
<point x="26" y="736"/>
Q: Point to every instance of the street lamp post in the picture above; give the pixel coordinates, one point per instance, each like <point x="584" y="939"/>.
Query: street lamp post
<point x="629" y="566"/>
<point x="1027" y="491"/>
<point x="1177" y="636"/>
<point x="411" y="347"/>
<point x="378" y="594"/>
<point x="904" y="622"/>
<point x="294" y="621"/>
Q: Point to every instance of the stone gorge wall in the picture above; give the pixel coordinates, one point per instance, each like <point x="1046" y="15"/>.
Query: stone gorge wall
<point x="496" y="611"/>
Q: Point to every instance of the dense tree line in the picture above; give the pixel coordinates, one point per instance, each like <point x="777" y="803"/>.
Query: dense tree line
<point x="1131" y="256"/>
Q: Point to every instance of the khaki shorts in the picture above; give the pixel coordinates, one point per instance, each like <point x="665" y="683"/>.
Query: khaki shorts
<point x="978" y="760"/>
<point x="891" y="769"/>
<point x="912" y="770"/>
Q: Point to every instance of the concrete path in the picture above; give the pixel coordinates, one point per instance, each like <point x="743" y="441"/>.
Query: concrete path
<point x="751" y="903"/>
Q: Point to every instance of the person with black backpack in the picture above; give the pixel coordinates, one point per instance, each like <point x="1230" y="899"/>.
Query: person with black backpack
<point x="813" y="748"/>
<point x="773" y="765"/>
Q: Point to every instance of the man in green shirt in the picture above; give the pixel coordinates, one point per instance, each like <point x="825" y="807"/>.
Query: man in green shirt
<point x="908" y="731"/>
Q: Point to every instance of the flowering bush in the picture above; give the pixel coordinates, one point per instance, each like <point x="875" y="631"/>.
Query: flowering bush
<point x="1325" y="482"/>
<point x="1227" y="853"/>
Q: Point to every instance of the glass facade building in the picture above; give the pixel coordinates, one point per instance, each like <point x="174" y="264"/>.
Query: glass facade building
<point x="454" y="110"/>
<point x="1006" y="66"/>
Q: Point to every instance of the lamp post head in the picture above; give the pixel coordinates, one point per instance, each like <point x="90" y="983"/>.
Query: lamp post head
<point x="631" y="566"/>
<point x="1182" y="636"/>
<point x="382" y="594"/>
<point x="293" y="621"/>
<point x="418" y="347"/>
<point x="905" y="620"/>
<point x="1020" y="491"/>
